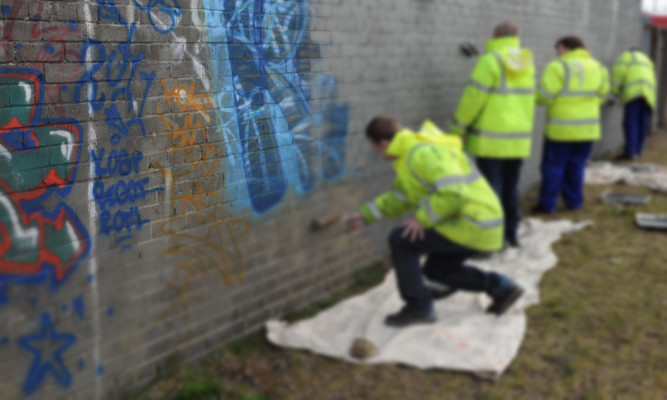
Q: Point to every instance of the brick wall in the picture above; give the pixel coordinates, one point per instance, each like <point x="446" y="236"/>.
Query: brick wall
<point x="160" y="162"/>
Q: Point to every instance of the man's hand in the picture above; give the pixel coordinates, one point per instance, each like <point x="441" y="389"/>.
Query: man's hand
<point x="355" y="222"/>
<point x="412" y="230"/>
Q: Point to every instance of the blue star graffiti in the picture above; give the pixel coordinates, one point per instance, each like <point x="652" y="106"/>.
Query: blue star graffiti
<point x="50" y="361"/>
<point x="282" y="127"/>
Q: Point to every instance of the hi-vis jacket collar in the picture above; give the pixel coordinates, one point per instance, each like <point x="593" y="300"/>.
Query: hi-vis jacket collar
<point x="502" y="42"/>
<point x="577" y="53"/>
<point x="404" y="140"/>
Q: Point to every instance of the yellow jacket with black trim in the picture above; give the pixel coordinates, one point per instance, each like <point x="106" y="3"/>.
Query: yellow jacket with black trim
<point x="437" y="179"/>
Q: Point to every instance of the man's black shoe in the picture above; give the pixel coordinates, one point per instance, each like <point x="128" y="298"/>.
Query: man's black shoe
<point x="504" y="301"/>
<point x="407" y="317"/>
<point x="513" y="242"/>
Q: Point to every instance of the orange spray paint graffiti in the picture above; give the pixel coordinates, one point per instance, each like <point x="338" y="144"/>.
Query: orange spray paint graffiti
<point x="196" y="196"/>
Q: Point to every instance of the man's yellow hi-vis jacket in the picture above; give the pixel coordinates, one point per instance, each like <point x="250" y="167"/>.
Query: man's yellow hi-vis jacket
<point x="437" y="179"/>
<point x="634" y="77"/>
<point x="573" y="87"/>
<point x="496" y="110"/>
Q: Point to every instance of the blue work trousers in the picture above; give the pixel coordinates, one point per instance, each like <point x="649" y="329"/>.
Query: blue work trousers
<point x="445" y="265"/>
<point x="636" y="122"/>
<point x="563" y="166"/>
<point x="503" y="176"/>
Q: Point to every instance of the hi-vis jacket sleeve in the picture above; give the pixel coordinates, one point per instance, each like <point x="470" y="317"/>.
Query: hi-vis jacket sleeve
<point x="551" y="84"/>
<point x="604" y="88"/>
<point x="475" y="95"/>
<point x="619" y="73"/>
<point x="392" y="203"/>
<point x="449" y="192"/>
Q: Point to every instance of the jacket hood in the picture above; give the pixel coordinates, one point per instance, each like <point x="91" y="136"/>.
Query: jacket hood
<point x="404" y="140"/>
<point x="515" y="59"/>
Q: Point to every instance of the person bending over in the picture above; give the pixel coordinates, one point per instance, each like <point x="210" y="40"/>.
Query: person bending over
<point x="457" y="216"/>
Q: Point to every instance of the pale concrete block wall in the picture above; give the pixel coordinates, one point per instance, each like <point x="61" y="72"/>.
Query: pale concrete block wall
<point x="160" y="162"/>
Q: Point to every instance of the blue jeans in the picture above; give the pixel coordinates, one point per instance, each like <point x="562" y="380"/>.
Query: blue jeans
<point x="445" y="265"/>
<point x="503" y="176"/>
<point x="563" y="166"/>
<point x="636" y="122"/>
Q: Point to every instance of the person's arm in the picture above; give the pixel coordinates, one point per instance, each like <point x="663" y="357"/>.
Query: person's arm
<point x="392" y="203"/>
<point x="475" y="95"/>
<point x="619" y="73"/>
<point x="604" y="88"/>
<point x="551" y="84"/>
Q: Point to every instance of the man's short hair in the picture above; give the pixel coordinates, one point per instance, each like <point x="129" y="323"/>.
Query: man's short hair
<point x="382" y="127"/>
<point x="571" y="42"/>
<point x="507" y="28"/>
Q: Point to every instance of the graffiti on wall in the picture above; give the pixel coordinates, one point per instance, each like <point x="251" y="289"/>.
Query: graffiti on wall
<point x="52" y="44"/>
<point x="283" y="130"/>
<point x="277" y="127"/>
<point x="108" y="86"/>
<point x="38" y="161"/>
<point x="196" y="190"/>
<point x="49" y="362"/>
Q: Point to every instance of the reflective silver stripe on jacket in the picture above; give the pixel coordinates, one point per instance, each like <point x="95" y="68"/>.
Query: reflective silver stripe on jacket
<point x="400" y="195"/>
<point x="374" y="210"/>
<point x="435" y="218"/>
<point x="502" y="135"/>
<point x="503" y="89"/>
<point x="489" y="223"/>
<point x="472" y="176"/>
<point x="589" y="121"/>
<point x="582" y="93"/>
<point x="640" y="82"/>
<point x="635" y="61"/>
<point x="575" y="93"/>
<point x="547" y="94"/>
<point x="460" y="124"/>
<point x="457" y="179"/>
<point x="479" y="86"/>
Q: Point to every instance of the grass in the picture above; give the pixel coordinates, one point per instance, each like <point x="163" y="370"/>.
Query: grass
<point x="598" y="333"/>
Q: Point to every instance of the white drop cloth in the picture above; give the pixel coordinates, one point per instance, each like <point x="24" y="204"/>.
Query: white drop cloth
<point x="464" y="336"/>
<point x="604" y="173"/>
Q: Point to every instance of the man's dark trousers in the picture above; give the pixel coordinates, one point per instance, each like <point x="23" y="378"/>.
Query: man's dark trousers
<point x="503" y="176"/>
<point x="563" y="167"/>
<point x="445" y="265"/>
<point x="636" y="122"/>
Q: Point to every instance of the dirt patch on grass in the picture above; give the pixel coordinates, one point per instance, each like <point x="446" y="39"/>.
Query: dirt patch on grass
<point x="599" y="331"/>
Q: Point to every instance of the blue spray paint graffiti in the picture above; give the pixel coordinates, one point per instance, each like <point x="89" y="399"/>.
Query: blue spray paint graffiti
<point x="79" y="307"/>
<point x="159" y="9"/>
<point x="107" y="85"/>
<point x="280" y="137"/>
<point x="51" y="362"/>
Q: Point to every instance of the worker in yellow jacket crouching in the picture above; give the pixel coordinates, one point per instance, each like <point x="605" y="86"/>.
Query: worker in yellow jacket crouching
<point x="457" y="215"/>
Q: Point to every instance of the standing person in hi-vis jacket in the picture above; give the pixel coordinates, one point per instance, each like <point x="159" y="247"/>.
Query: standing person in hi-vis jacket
<point x="496" y="113"/>
<point x="573" y="87"/>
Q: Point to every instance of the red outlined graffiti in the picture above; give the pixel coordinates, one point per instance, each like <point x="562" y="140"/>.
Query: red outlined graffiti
<point x="37" y="159"/>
